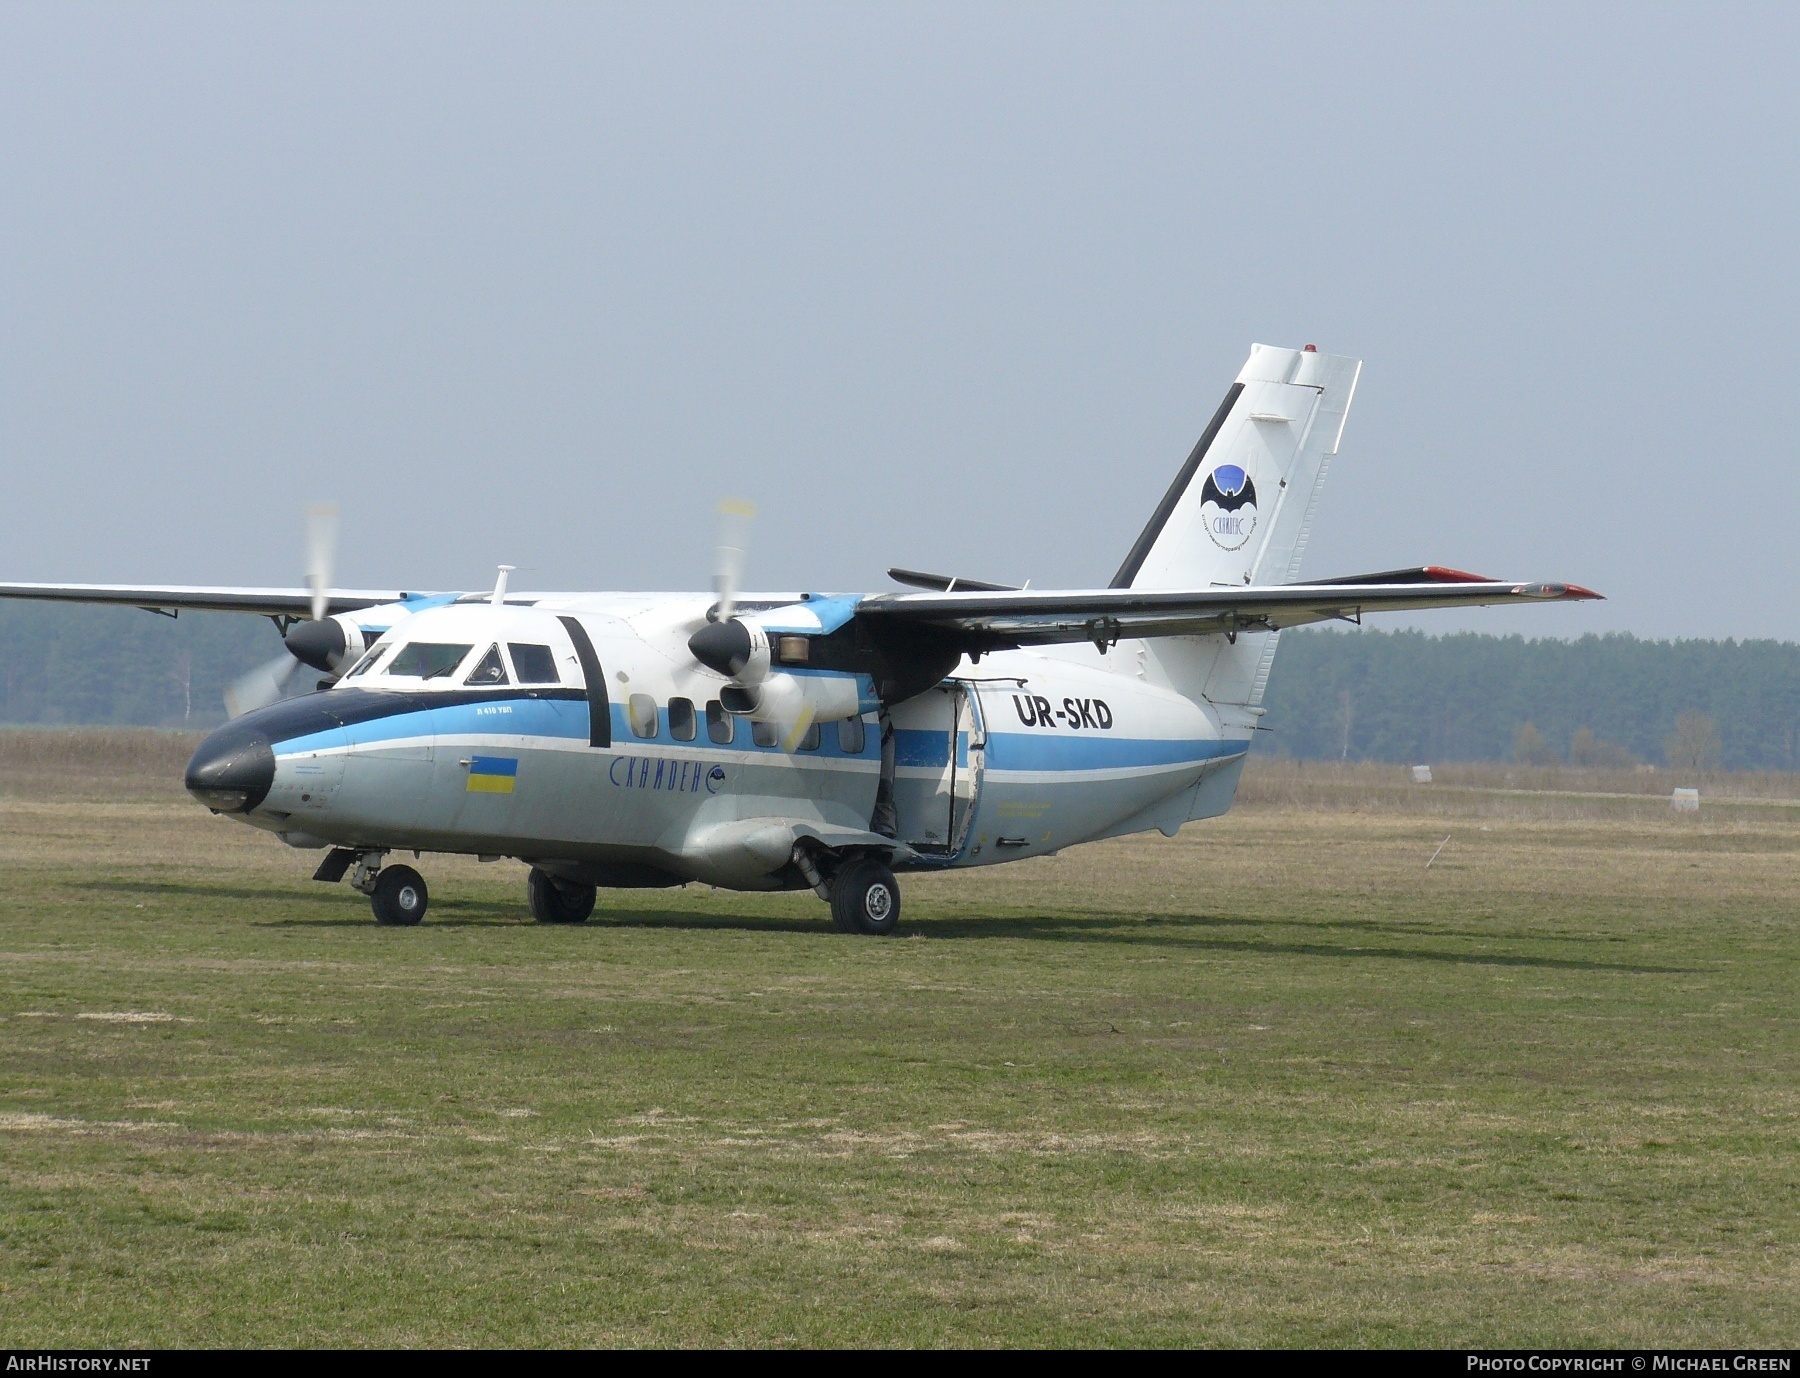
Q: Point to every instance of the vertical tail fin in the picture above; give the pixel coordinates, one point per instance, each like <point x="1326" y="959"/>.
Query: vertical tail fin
<point x="1240" y="510"/>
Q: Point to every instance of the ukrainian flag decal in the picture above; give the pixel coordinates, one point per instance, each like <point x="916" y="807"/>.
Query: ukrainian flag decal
<point x="493" y="774"/>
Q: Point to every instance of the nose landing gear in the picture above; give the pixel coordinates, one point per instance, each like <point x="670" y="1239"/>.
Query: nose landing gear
<point x="399" y="896"/>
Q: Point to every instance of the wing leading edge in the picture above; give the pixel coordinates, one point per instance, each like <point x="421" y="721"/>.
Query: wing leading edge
<point x="999" y="621"/>
<point x="172" y="597"/>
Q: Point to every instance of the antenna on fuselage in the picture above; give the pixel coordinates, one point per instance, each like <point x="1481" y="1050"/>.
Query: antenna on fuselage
<point x="498" y="598"/>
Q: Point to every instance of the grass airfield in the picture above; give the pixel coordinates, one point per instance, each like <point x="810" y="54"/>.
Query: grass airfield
<point x="1272" y="1082"/>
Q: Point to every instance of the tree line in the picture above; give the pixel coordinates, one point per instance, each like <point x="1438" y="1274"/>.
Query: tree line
<point x="122" y="666"/>
<point x="1339" y="695"/>
<point x="1601" y="700"/>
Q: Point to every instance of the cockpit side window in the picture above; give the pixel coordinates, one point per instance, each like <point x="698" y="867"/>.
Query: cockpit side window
<point x="426" y="660"/>
<point x="489" y="670"/>
<point x="367" y="663"/>
<point x="533" y="664"/>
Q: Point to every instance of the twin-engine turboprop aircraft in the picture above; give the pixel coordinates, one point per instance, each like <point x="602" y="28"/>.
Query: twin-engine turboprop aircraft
<point x="805" y="740"/>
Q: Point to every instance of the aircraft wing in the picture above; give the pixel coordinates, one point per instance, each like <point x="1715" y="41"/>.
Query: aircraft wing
<point x="999" y="620"/>
<point x="173" y="597"/>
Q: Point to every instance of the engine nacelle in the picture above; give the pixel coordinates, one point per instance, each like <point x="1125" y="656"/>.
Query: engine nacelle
<point x="783" y="698"/>
<point x="331" y="644"/>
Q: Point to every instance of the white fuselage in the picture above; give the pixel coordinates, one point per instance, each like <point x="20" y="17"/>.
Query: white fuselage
<point x="626" y="764"/>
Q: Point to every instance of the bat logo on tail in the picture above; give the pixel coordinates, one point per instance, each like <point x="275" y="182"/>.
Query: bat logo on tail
<point x="1228" y="506"/>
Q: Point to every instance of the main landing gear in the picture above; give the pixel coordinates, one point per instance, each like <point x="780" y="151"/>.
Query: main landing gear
<point x="862" y="892"/>
<point x="559" y="901"/>
<point x="865" y="898"/>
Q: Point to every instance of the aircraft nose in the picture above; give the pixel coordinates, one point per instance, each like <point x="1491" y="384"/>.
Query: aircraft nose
<point x="232" y="771"/>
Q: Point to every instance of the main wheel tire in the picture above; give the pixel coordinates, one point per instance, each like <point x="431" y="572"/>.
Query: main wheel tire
<point x="400" y="897"/>
<point x="865" y="898"/>
<point x="559" y="901"/>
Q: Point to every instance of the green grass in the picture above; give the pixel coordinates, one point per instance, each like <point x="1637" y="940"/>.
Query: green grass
<point x="1272" y="1082"/>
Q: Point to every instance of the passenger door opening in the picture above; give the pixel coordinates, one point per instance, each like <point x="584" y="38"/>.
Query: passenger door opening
<point x="939" y="751"/>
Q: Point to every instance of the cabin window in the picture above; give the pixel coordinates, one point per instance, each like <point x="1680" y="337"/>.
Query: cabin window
<point x="426" y="660"/>
<point x="721" y="727"/>
<point x="490" y="669"/>
<point x="850" y="736"/>
<point x="792" y="650"/>
<point x="533" y="664"/>
<point x="809" y="739"/>
<point x="641" y="709"/>
<point x="764" y="733"/>
<point x="682" y="726"/>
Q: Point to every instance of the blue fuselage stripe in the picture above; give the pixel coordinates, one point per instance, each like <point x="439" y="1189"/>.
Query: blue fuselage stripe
<point x="1046" y="751"/>
<point x="567" y="719"/>
<point x="1024" y="751"/>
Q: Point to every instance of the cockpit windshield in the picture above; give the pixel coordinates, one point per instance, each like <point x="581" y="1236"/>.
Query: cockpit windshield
<point x="426" y="660"/>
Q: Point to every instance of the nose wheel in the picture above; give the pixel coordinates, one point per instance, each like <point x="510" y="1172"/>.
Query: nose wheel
<point x="399" y="898"/>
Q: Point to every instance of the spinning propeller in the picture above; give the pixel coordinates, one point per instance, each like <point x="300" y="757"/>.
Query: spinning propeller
<point x="281" y="677"/>
<point x="740" y="650"/>
<point x="735" y="516"/>
<point x="321" y="554"/>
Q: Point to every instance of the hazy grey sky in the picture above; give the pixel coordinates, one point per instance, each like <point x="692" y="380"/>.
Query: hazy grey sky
<point x="948" y="287"/>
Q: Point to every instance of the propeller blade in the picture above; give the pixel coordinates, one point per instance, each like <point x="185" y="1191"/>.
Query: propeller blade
<point x="281" y="678"/>
<point x="735" y="516"/>
<point x="321" y="552"/>
<point x="268" y="683"/>
<point x="791" y="742"/>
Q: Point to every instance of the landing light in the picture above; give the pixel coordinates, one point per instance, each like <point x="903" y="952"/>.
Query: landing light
<point x="222" y="800"/>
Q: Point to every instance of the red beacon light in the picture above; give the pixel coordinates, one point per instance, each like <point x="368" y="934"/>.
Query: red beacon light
<point x="1310" y="349"/>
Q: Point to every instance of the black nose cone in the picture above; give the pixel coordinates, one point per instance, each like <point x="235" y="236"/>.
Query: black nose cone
<point x="318" y="644"/>
<point x="722" y="646"/>
<point x="232" y="771"/>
